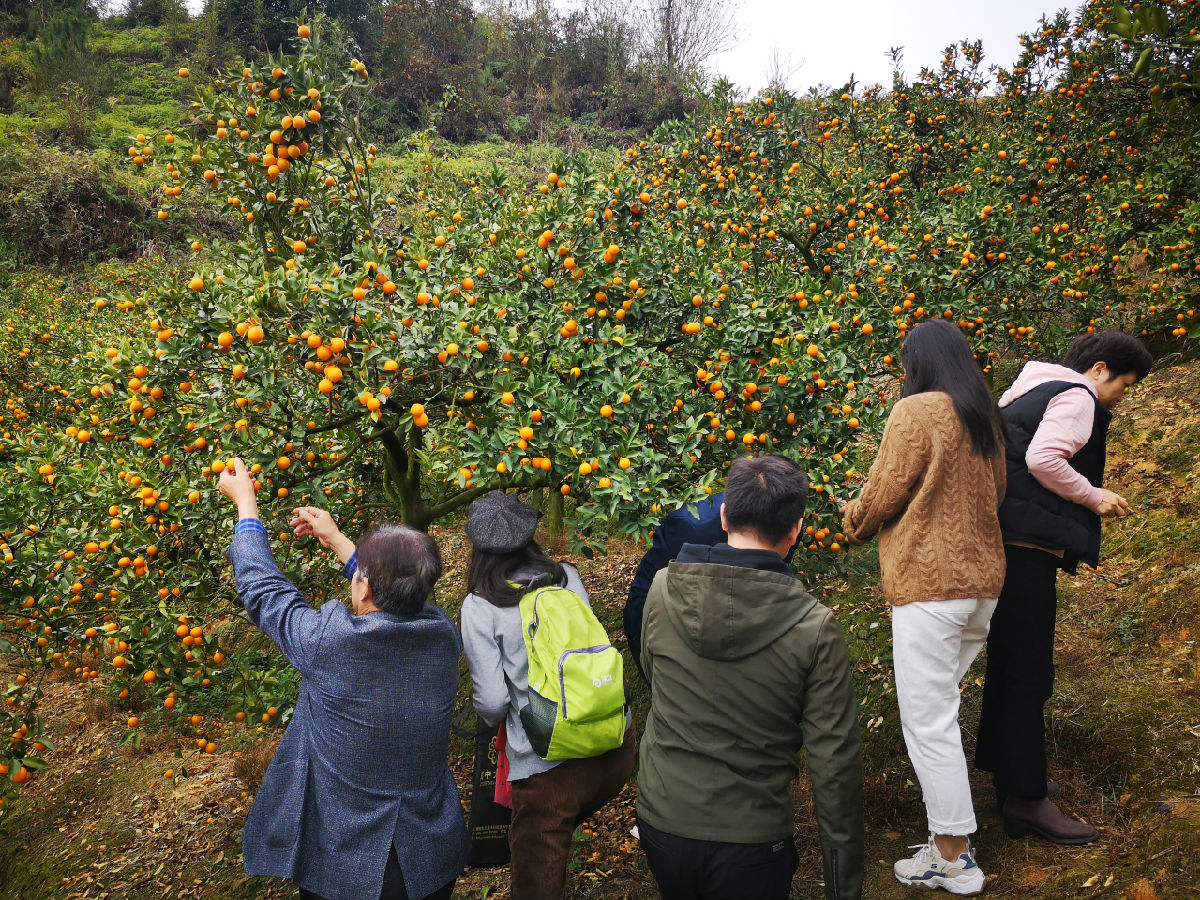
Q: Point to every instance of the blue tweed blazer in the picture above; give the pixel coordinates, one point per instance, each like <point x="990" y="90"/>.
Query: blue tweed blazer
<point x="362" y="765"/>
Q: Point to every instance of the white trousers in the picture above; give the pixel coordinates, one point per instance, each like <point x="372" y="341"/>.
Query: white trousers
<point x="934" y="643"/>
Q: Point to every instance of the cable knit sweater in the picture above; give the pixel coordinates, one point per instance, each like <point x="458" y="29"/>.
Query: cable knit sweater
<point x="933" y="501"/>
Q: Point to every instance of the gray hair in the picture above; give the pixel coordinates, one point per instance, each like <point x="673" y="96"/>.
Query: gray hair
<point x="401" y="564"/>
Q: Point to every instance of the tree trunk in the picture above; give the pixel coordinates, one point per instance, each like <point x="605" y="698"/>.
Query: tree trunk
<point x="671" y="35"/>
<point x="554" y="513"/>
<point x="404" y="469"/>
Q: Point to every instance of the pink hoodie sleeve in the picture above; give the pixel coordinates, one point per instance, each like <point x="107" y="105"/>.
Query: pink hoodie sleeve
<point x="1065" y="429"/>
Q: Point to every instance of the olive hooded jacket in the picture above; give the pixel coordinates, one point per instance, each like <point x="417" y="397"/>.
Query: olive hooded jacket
<point x="745" y="668"/>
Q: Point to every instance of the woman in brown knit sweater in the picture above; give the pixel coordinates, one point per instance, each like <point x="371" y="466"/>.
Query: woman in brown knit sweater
<point x="932" y="495"/>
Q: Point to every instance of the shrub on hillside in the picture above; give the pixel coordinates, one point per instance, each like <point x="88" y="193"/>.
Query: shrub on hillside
<point x="15" y="70"/>
<point x="61" y="206"/>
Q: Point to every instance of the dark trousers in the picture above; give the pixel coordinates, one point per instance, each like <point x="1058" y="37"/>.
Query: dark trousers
<point x="1020" y="675"/>
<point x="688" y="869"/>
<point x="549" y="806"/>
<point x="393" y="884"/>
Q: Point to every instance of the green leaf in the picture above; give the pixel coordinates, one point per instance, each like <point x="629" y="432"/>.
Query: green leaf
<point x="1162" y="24"/>
<point x="1123" y="25"/>
<point x="1143" y="18"/>
<point x="1124" y="21"/>
<point x="1143" y="61"/>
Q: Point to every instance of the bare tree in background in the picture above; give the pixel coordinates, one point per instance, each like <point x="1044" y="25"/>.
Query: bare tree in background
<point x="685" y="34"/>
<point x="779" y="71"/>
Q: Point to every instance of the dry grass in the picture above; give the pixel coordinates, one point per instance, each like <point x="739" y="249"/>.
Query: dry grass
<point x="251" y="764"/>
<point x="97" y="708"/>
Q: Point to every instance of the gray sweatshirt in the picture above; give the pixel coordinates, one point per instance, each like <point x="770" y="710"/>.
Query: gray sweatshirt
<point x="495" y="650"/>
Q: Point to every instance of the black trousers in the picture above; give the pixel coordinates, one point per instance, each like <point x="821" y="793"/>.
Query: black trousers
<point x="687" y="869"/>
<point x="393" y="884"/>
<point x="1020" y="675"/>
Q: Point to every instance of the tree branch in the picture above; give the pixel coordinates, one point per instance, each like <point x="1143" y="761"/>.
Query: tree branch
<point x="339" y="423"/>
<point x="462" y="498"/>
<point x="801" y="246"/>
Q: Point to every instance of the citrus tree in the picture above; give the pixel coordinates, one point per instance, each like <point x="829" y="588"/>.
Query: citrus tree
<point x="615" y="334"/>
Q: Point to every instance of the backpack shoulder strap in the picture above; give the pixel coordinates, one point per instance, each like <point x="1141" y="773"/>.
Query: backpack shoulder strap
<point x="532" y="627"/>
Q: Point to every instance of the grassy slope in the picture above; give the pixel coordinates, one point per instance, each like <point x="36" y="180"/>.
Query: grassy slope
<point x="1123" y="732"/>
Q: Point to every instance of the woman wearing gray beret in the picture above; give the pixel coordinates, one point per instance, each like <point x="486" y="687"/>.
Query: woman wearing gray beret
<point x="549" y="799"/>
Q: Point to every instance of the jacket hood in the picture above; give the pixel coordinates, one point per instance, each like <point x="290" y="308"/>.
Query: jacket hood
<point x="725" y="611"/>
<point x="1037" y="373"/>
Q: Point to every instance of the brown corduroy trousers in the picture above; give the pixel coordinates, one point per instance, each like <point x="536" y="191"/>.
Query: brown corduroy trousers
<point x="549" y="806"/>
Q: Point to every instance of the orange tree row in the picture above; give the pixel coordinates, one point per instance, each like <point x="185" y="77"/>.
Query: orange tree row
<point x="617" y="334"/>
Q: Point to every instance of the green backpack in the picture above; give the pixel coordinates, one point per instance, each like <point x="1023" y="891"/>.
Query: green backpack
<point x="576" y="703"/>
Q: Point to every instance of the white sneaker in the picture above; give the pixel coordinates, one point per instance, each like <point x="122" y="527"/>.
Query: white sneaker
<point x="927" y="868"/>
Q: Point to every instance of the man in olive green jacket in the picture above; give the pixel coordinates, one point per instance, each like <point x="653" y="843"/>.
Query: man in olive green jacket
<point x="746" y="668"/>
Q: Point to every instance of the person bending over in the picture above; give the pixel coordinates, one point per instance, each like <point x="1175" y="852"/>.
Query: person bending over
<point x="1058" y="418"/>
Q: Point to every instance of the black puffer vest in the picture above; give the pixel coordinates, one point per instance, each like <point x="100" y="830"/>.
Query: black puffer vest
<point x="1031" y="514"/>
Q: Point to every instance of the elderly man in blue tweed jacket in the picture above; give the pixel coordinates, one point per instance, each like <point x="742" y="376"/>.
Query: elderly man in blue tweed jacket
<point x="358" y="802"/>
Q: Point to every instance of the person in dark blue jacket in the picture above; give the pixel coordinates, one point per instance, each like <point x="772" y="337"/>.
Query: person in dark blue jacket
<point x="696" y="523"/>
<point x="358" y="801"/>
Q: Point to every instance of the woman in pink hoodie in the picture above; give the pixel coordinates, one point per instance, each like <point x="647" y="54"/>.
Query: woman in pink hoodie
<point x="1057" y="418"/>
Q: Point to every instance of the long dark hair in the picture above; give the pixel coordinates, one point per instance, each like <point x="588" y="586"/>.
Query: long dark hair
<point x="491" y="575"/>
<point x="937" y="357"/>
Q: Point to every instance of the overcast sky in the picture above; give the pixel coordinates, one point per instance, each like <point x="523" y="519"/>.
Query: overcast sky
<point x="825" y="42"/>
<point x="828" y="41"/>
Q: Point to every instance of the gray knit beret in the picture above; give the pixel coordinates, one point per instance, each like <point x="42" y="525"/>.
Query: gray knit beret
<point x="500" y="523"/>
